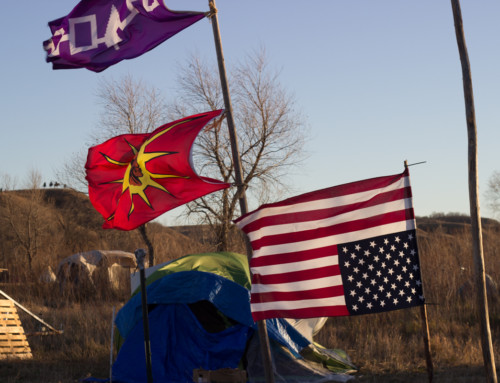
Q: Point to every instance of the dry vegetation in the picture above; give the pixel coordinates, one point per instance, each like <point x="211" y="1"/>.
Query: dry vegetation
<point x="386" y="347"/>
<point x="392" y="342"/>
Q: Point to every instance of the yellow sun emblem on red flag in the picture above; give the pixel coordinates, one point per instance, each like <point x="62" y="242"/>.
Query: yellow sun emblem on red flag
<point x="137" y="177"/>
<point x="134" y="178"/>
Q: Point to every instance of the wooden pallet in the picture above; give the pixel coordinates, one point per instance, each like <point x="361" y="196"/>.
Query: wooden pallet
<point x="13" y="342"/>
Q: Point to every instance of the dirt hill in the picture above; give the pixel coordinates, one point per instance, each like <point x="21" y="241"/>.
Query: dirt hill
<point x="41" y="227"/>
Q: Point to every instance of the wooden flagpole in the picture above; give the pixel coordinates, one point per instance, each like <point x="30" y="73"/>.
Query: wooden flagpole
<point x="427" y="342"/>
<point x="262" y="329"/>
<point x="425" y="329"/>
<point x="487" y="346"/>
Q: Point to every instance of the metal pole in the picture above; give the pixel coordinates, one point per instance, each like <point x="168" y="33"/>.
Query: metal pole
<point x="145" y="237"/>
<point x="262" y="329"/>
<point x="139" y="256"/>
<point x="477" y="239"/>
<point x="111" y="347"/>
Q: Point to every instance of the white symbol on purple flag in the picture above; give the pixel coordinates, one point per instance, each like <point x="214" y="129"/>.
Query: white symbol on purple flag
<point x="97" y="34"/>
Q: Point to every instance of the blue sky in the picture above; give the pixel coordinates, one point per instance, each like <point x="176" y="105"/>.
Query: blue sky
<point x="380" y="82"/>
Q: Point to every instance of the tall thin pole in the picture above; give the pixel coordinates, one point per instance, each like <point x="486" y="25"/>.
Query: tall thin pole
<point x="487" y="346"/>
<point x="147" y="241"/>
<point x="427" y="342"/>
<point x="111" y="346"/>
<point x="425" y="332"/>
<point x="139" y="255"/>
<point x="261" y="325"/>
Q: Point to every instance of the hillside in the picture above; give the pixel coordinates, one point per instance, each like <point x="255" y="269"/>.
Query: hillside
<point x="50" y="224"/>
<point x="451" y="223"/>
<point x="41" y="227"/>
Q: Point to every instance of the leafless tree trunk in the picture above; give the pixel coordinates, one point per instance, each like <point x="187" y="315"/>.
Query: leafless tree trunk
<point x="129" y="106"/>
<point x="23" y="218"/>
<point x="71" y="174"/>
<point x="492" y="193"/>
<point x="7" y="182"/>
<point x="270" y="131"/>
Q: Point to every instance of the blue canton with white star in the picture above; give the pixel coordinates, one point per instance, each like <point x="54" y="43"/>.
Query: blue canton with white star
<point x="381" y="273"/>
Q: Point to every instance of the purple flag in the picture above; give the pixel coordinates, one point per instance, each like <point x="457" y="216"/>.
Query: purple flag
<point x="99" y="33"/>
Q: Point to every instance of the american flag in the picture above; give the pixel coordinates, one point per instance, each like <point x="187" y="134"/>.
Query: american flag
<point x="346" y="250"/>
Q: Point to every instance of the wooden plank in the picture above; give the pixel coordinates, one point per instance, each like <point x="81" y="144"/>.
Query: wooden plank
<point x="14" y="338"/>
<point x="10" y="322"/>
<point x="14" y="350"/>
<point x="12" y="329"/>
<point x="9" y="315"/>
<point x="7" y="351"/>
<point x="16" y="346"/>
<point x="13" y="341"/>
<point x="5" y="303"/>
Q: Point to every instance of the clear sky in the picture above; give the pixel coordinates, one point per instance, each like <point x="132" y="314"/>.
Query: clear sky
<point x="380" y="82"/>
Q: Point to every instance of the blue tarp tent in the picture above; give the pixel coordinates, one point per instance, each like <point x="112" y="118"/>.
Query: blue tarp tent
<point x="199" y="314"/>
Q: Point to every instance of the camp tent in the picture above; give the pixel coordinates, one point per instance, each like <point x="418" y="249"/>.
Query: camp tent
<point x="96" y="270"/>
<point x="199" y="318"/>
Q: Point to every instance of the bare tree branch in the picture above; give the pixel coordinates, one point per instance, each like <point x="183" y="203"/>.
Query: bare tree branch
<point x="492" y="193"/>
<point x="129" y="106"/>
<point x="271" y="134"/>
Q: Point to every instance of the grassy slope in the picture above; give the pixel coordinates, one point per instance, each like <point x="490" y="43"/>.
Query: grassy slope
<point x="387" y="347"/>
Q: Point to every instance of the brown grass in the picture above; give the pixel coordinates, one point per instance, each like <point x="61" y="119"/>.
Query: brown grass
<point x="392" y="342"/>
<point x="386" y="347"/>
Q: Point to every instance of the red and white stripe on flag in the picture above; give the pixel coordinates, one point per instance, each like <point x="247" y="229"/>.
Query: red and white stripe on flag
<point x="295" y="263"/>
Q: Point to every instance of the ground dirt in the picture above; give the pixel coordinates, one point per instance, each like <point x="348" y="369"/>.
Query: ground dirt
<point x="33" y="371"/>
<point x="449" y="375"/>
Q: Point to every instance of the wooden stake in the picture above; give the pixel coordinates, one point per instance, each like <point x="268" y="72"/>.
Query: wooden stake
<point x="487" y="346"/>
<point x="261" y="325"/>
<point x="425" y="331"/>
<point x="427" y="342"/>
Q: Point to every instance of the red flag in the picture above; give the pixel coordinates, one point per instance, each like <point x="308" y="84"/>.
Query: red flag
<point x="134" y="178"/>
<point x="346" y="250"/>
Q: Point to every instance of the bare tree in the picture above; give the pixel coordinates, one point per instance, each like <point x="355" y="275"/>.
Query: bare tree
<point x="72" y="171"/>
<point x="492" y="193"/>
<point x="270" y="130"/>
<point x="23" y="216"/>
<point x="7" y="182"/>
<point x="33" y="180"/>
<point x="128" y="106"/>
